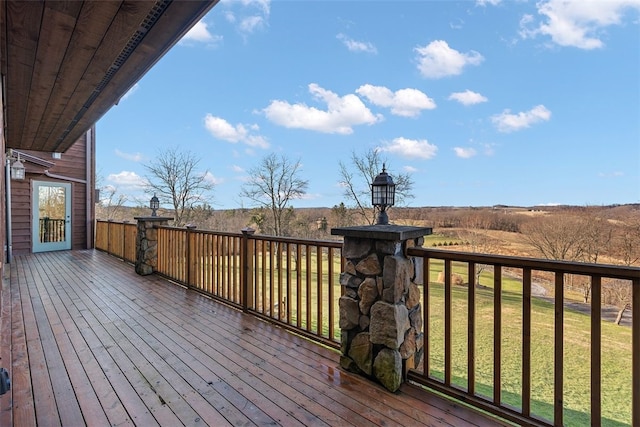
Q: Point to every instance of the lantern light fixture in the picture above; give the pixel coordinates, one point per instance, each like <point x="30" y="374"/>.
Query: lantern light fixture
<point x="154" y="204"/>
<point x="17" y="169"/>
<point x="383" y="194"/>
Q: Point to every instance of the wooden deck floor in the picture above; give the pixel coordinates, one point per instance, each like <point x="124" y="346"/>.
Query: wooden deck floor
<point x="89" y="342"/>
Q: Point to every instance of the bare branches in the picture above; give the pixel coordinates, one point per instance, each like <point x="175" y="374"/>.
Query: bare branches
<point x="173" y="176"/>
<point x="357" y="177"/>
<point x="272" y="185"/>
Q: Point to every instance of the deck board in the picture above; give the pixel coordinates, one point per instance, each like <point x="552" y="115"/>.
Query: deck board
<point x="92" y="343"/>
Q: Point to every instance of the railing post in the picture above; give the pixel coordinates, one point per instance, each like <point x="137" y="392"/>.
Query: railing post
<point x="245" y="267"/>
<point x="147" y="243"/>
<point x="109" y="221"/>
<point x="190" y="228"/>
<point x="380" y="315"/>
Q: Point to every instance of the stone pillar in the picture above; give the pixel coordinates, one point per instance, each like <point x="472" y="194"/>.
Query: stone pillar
<point x="147" y="243"/>
<point x="380" y="312"/>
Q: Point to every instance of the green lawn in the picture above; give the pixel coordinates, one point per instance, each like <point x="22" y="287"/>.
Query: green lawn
<point x="616" y="355"/>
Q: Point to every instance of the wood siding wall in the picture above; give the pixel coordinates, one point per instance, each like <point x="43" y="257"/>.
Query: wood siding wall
<point x="73" y="165"/>
<point x="3" y="230"/>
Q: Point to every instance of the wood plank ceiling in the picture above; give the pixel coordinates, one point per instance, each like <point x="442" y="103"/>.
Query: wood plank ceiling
<point x="65" y="63"/>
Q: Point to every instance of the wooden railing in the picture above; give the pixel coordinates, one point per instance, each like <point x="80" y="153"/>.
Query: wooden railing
<point x="490" y="339"/>
<point x="117" y="238"/>
<point x="52" y="230"/>
<point x="292" y="282"/>
<point x="536" y="339"/>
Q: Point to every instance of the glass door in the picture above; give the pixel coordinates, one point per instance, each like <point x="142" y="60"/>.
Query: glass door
<point x="51" y="216"/>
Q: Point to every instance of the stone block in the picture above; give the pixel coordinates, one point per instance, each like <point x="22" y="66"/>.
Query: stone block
<point x="368" y="294"/>
<point x="389" y="322"/>
<point x="415" y="318"/>
<point x="413" y="296"/>
<point x="361" y="351"/>
<point x="387" y="368"/>
<point x="355" y="248"/>
<point x="408" y="346"/>
<point x="349" y="312"/>
<point x="369" y="266"/>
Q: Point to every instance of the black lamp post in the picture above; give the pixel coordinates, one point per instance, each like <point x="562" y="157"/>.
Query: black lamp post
<point x="154" y="204"/>
<point x="383" y="195"/>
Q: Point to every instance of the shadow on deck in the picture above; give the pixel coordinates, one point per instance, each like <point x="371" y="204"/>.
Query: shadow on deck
<point x="89" y="342"/>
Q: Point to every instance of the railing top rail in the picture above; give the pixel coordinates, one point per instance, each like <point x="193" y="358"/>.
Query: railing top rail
<point x="202" y="231"/>
<point x="266" y="237"/>
<point x="604" y="270"/>
<point x="310" y="242"/>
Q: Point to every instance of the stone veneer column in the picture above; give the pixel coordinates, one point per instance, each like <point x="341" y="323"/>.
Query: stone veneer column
<point x="380" y="312"/>
<point x="147" y="243"/>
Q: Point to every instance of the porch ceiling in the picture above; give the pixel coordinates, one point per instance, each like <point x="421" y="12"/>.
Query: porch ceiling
<point x="65" y="63"/>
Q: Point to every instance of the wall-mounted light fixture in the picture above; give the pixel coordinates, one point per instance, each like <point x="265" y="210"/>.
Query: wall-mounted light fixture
<point x="383" y="195"/>
<point x="17" y="167"/>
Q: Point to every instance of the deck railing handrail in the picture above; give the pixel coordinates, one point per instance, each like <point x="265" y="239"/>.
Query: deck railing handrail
<point x="295" y="283"/>
<point x="443" y="382"/>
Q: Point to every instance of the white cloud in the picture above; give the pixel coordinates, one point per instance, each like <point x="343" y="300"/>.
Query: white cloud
<point x="250" y="24"/>
<point x="437" y="60"/>
<point x="127" y="180"/>
<point x="134" y="157"/>
<point x="412" y="148"/>
<point x="507" y="122"/>
<point x="404" y="102"/>
<point x="200" y="33"/>
<point x="468" y="97"/>
<point x="488" y="2"/>
<point x="237" y="169"/>
<point x="465" y="153"/>
<point x="341" y="115"/>
<point x="221" y="129"/>
<point x="356" y="46"/>
<point x="253" y="15"/>
<point x="211" y="179"/>
<point x="578" y="24"/>
<point x="410" y="169"/>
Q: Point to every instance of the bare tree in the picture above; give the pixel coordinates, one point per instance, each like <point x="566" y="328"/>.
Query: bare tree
<point x="556" y="237"/>
<point x="272" y="185"/>
<point x="357" y="178"/>
<point x="628" y="241"/>
<point x="174" y="177"/>
<point x="111" y="202"/>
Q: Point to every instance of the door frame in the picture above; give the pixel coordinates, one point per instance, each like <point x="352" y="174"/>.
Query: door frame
<point x="36" y="245"/>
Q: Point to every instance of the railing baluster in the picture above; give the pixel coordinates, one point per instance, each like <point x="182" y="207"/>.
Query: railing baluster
<point x="635" y="352"/>
<point x="526" y="341"/>
<point x="298" y="285"/>
<point x="596" y="344"/>
<point x="273" y="247"/>
<point x="426" y="313"/>
<point x="288" y="283"/>
<point x="331" y="293"/>
<point x="497" y="334"/>
<point x="471" y="328"/>
<point x="558" y="363"/>
<point x="308" y="286"/>
<point x="319" y="292"/>
<point x="448" y="333"/>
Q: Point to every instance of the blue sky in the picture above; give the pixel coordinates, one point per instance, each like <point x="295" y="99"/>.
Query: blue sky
<point x="482" y="102"/>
